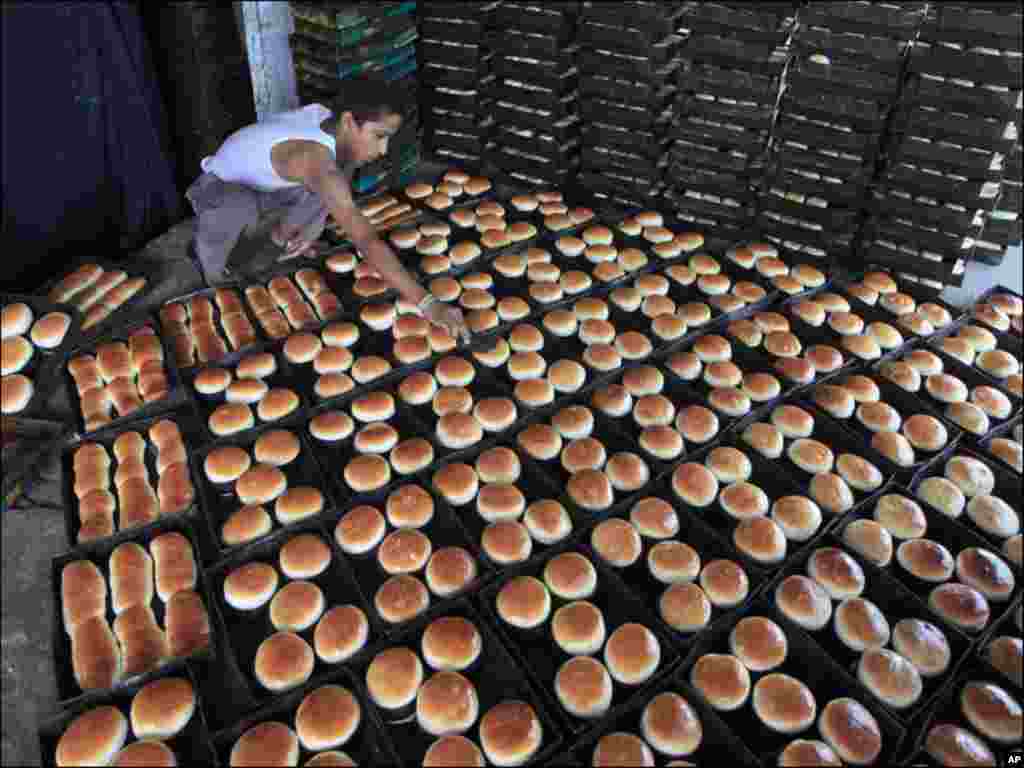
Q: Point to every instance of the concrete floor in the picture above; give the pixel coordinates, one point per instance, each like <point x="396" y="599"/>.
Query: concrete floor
<point x="33" y="535"/>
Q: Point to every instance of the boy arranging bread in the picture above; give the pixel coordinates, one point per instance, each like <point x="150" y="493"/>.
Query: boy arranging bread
<point x="302" y="161"/>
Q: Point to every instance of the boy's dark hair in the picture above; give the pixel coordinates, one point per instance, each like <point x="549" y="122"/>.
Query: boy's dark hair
<point x="371" y="97"/>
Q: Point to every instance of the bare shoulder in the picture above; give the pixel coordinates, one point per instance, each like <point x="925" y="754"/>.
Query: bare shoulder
<point x="297" y="159"/>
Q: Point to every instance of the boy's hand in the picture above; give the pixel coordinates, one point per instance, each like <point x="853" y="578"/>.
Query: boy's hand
<point x="448" y="317"/>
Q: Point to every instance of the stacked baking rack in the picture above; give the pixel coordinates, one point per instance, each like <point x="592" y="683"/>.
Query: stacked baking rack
<point x="627" y="85"/>
<point x="455" y="69"/>
<point x="535" y="91"/>
<point x="730" y="78"/>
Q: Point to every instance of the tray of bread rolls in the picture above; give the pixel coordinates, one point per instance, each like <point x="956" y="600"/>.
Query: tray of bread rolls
<point x="815" y="451"/>
<point x="669" y="722"/>
<point x="354" y="280"/>
<point x="761" y="513"/>
<point x="209" y="326"/>
<point x="448" y="691"/>
<point x="992" y="353"/>
<point x="730" y="381"/>
<point x="516" y="516"/>
<point x="873" y="408"/>
<point x="126" y="375"/>
<point x="1006" y="446"/>
<point x="163" y="720"/>
<point x="36" y="336"/>
<point x="408" y="552"/>
<point x="257" y="393"/>
<point x="786" y="271"/>
<point x="455" y="189"/>
<point x="331" y="719"/>
<point x="872" y="626"/>
<point x="584" y="638"/>
<point x="999" y="521"/>
<point x="675" y="562"/>
<point x="973" y="400"/>
<point x="916" y="309"/>
<point x="125" y="611"/>
<point x="383" y="211"/>
<point x="292" y="301"/>
<point x="974" y="722"/>
<point x="966" y="581"/>
<point x="252" y="486"/>
<point x="296" y="613"/>
<point x="773" y="684"/>
<point x="120" y="481"/>
<point x="1001" y="651"/>
<point x="97" y="290"/>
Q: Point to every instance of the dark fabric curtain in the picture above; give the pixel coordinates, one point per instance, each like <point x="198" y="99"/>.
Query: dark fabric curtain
<point x="87" y="169"/>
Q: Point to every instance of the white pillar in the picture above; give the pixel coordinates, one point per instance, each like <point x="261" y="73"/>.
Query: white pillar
<point x="265" y="28"/>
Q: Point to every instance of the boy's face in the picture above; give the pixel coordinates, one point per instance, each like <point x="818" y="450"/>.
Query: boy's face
<point x="369" y="141"/>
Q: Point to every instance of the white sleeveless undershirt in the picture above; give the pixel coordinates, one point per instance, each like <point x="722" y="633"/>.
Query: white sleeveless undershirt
<point x="244" y="157"/>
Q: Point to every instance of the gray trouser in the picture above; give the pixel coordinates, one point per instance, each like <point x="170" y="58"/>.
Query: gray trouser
<point x="224" y="210"/>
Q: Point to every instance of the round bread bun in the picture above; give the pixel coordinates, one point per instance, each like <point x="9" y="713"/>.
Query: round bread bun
<point x="992" y="711"/>
<point x="500" y="501"/>
<point x="797" y="516"/>
<point x="837" y="572"/>
<point x="890" y="677"/>
<point x="980" y="339"/>
<point x="578" y="628"/>
<point x="583" y="453"/>
<point x="722" y="680"/>
<point x="760" y="539"/>
<point x="959" y="348"/>
<point x="376" y="438"/>
<point x="862" y="346"/>
<point x="360" y="530"/>
<point x="804" y="602"/>
<point x="835" y="400"/>
<point x="457" y="482"/>
<point x="792" y="421"/>
<point x="764" y="438"/>
<point x="1005" y="655"/>
<point x="926" y="560"/>
<point x="269" y="742"/>
<point x="226" y="464"/>
<point x="925" y="433"/>
<point x="451" y="643"/>
<point x="950" y="744"/>
<point x="801" y="752"/>
<point x="895" y="447"/>
<point x="960" y="605"/>
<point x="685" y="607"/>
<point x="331" y="426"/>
<point x="17" y="319"/>
<point x="902" y="517"/>
<point x="824" y="358"/>
<point x="846" y="323"/>
<point x="160" y="710"/>
<point x="993" y="402"/>
<point x="695" y="484"/>
<point x="305" y="556"/>
<point x="327" y="718"/>
<point x="401" y="598"/>
<point x="759" y="644"/>
<point x="851" y="730"/>
<point x="394" y="677"/>
<point x="409" y="507"/>
<point x="283" y="661"/>
<point x="812" y="456"/>
<point x="375" y="406"/>
<point x="697" y="423"/>
<point x="511" y="733"/>
<point x="261" y="484"/>
<point x="946" y="388"/>
<point x="418" y="389"/>
<point x="924" y="645"/>
<point x="524" y="602"/>
<point x="746" y="331"/>
<point x="458" y="431"/>
<point x="671" y="725"/>
<point x="49" y="330"/>
<point x="212" y="381"/>
<point x="547" y="521"/>
<point x="796" y="369"/>
<point x="367" y="473"/>
<point x="584" y="687"/>
<point x="784" y="704"/>
<point x="743" y="500"/>
<point x="632" y="654"/>
<point x="971" y="476"/>
<point x="576" y="422"/>
<point x="986" y="572"/>
<point x="859" y="473"/>
<point x="341" y="633"/>
<point x="725" y="583"/>
<point x="870" y="540"/>
<point x="404" y="551"/>
<point x="617" y="542"/>
<point x="673" y="562"/>
<point x="297" y="606"/>
<point x="541" y="441"/>
<point x="451" y="570"/>
<point x="1012" y="549"/>
<point x="570" y="576"/>
<point x="860" y="625"/>
<point x="591" y="490"/>
<point x="729" y="465"/>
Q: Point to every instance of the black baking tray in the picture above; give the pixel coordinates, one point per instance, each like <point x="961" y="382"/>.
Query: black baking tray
<point x="208" y="293"/>
<point x="638" y="12"/>
<point x="898" y="21"/>
<point x="997" y="289"/>
<point x="792" y="128"/>
<point x="752" y="118"/>
<point x="191" y="745"/>
<point x="447" y="76"/>
<point x="920" y="294"/>
<point x="248" y="629"/>
<point x="536" y="485"/>
<point x="994" y="25"/>
<point x="571" y="348"/>
<point x="968" y="65"/>
<point x="552" y="172"/>
<point x="548" y="70"/>
<point x="562" y="129"/>
<point x="873" y="52"/>
<point x="455" y="53"/>
<point x="560" y="101"/>
<point x="834" y="218"/>
<point x="603" y="61"/>
<point x="69" y="694"/>
<point x="807" y="662"/>
<point x="177" y="394"/>
<point x="485" y="384"/>
<point x="369" y="745"/>
<point x="948" y="710"/>
<point x="1005" y="627"/>
<point x="46" y="366"/>
<point x="537" y="17"/>
<point x="718" y="746"/>
<point x="546" y="43"/>
<point x="848" y="110"/>
<point x="896" y="602"/>
<point x="1004" y="342"/>
<point x="971" y="161"/>
<point x="284" y="377"/>
<point x="973" y="193"/>
<point x="650" y="145"/>
<point x="729" y="83"/>
<point x="698" y="533"/>
<point x="837" y="247"/>
<point x="943" y="125"/>
<point x="462" y="100"/>
<point x="806" y="75"/>
<point x="629" y="90"/>
<point x="906" y="405"/>
<point x="187" y="422"/>
<point x="969" y="375"/>
<point x="852" y="168"/>
<point x="219" y="501"/>
<point x="888" y="201"/>
<point x="535" y="142"/>
<point x="443" y="530"/>
<point x="720" y="159"/>
<point x="130" y="308"/>
<point x="743" y="23"/>
<point x="460" y="30"/>
<point x="945" y="94"/>
<point x="625" y="191"/>
<point x="735" y="215"/>
<point x="1007" y="488"/>
<point x="830" y="432"/>
<point x="762" y="57"/>
<point x="619" y="159"/>
<point x="711" y="133"/>
<point x="777" y="487"/>
<point x="839" y="193"/>
<point x="624" y="34"/>
<point x="948" y="272"/>
<point x="496" y="675"/>
<point x="951" y="534"/>
<point x="541" y="656"/>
